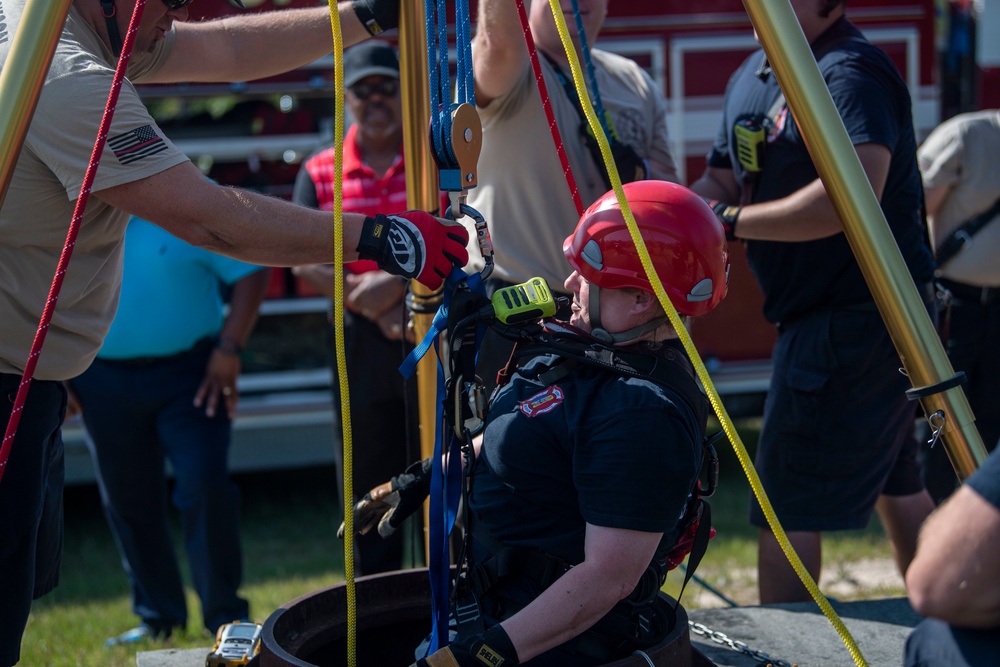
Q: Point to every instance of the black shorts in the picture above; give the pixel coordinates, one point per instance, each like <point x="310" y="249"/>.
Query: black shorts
<point x="838" y="428"/>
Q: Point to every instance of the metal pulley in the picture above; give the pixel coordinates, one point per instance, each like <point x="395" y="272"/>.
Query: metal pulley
<point x="462" y="141"/>
<point x="458" y="143"/>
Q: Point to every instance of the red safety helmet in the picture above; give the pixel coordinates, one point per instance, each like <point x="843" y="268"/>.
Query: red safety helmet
<point x="684" y="238"/>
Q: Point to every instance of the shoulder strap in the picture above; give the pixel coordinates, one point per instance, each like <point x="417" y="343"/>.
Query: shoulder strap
<point x="962" y="236"/>
<point x="672" y="371"/>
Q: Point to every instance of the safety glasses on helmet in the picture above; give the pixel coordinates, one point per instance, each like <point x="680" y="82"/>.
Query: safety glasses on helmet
<point x="385" y="88"/>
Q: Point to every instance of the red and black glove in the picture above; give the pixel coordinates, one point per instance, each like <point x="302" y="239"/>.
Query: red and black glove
<point x="492" y="647"/>
<point x="727" y="215"/>
<point x="389" y="504"/>
<point x="377" y="15"/>
<point x="414" y="244"/>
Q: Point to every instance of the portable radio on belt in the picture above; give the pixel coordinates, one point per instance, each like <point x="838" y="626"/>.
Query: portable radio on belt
<point x="750" y="139"/>
<point x="532" y="300"/>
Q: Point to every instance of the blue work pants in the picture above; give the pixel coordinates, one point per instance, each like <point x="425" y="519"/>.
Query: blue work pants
<point x="140" y="414"/>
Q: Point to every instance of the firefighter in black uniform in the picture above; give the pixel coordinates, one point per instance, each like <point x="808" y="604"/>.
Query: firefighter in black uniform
<point x="590" y="457"/>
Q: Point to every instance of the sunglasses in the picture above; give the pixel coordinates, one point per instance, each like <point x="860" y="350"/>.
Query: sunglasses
<point x="177" y="4"/>
<point x="385" y="88"/>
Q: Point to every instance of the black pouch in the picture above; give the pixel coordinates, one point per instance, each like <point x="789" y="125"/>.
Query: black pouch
<point x="630" y="166"/>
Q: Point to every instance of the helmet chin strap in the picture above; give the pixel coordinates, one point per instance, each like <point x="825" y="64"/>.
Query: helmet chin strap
<point x="111" y="20"/>
<point x="627" y="336"/>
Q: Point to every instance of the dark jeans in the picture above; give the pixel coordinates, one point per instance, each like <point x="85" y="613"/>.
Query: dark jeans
<point x="934" y="643"/>
<point x="31" y="514"/>
<point x="138" y="416"/>
<point x="973" y="347"/>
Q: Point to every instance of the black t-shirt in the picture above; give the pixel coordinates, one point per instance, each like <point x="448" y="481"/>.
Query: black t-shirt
<point x="593" y="447"/>
<point x="986" y="480"/>
<point x="875" y="106"/>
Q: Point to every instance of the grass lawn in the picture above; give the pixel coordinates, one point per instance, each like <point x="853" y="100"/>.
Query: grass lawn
<point x="290" y="545"/>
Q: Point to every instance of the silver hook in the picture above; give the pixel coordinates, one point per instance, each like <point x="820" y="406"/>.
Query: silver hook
<point x="936" y="421"/>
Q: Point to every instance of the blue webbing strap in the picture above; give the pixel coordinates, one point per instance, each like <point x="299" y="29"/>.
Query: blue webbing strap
<point x="446" y="485"/>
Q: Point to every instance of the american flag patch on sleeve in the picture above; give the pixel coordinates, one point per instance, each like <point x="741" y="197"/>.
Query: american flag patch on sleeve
<point x="137" y="144"/>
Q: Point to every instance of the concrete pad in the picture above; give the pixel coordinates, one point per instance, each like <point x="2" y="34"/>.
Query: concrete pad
<point x="800" y="634"/>
<point x="173" y="657"/>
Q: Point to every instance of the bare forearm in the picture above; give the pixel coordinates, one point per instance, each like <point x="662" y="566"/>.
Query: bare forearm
<point x="717" y="184"/>
<point x="955" y="575"/>
<point x="320" y="277"/>
<point x="244" y="306"/>
<point x="805" y="215"/>
<point x="568" y="607"/>
<point x="253" y="46"/>
<point x="499" y="53"/>
<point x="233" y="222"/>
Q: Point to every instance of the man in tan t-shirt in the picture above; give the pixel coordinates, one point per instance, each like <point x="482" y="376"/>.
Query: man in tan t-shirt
<point x="143" y="174"/>
<point x="522" y="191"/>
<point x="961" y="172"/>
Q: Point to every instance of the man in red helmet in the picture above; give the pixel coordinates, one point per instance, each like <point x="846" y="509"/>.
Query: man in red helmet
<point x="584" y="470"/>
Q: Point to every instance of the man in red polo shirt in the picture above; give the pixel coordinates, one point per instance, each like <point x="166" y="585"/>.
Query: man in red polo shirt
<point x="383" y="405"/>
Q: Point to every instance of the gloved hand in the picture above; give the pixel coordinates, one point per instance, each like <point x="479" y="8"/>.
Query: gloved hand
<point x="414" y="244"/>
<point x="727" y="215"/>
<point x="377" y="16"/>
<point x="389" y="504"/>
<point x="493" y="647"/>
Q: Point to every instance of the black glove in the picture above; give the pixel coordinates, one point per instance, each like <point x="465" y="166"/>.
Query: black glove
<point x="389" y="504"/>
<point x="727" y="215"/>
<point x="377" y="15"/>
<point x="493" y="647"/>
<point x="414" y="244"/>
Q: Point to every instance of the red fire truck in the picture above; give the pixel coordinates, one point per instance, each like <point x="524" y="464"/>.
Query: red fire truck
<point x="256" y="134"/>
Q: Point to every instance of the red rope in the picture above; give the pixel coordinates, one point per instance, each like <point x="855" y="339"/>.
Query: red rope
<point x="547" y="105"/>
<point x="74" y="230"/>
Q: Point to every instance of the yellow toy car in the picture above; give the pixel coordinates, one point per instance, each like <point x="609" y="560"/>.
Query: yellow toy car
<point x="235" y="644"/>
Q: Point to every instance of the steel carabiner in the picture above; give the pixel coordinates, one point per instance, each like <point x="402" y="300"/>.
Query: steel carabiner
<point x="482" y="235"/>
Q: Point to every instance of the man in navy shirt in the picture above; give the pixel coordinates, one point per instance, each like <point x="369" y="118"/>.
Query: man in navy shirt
<point x="837" y="439"/>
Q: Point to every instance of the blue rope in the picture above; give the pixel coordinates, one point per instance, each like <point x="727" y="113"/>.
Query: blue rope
<point x="446" y="486"/>
<point x="602" y="115"/>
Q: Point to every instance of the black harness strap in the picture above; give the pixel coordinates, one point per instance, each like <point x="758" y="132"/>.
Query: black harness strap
<point x="111" y="21"/>
<point x="670" y="370"/>
<point x="962" y="236"/>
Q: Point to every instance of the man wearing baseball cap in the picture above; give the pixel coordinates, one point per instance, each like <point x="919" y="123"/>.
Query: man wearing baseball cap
<point x="382" y="402"/>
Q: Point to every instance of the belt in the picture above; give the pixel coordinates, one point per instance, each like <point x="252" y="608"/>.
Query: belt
<point x="143" y="362"/>
<point x="966" y="294"/>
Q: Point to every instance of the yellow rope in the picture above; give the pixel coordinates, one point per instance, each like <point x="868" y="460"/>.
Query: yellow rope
<point x="675" y="321"/>
<point x="338" y="332"/>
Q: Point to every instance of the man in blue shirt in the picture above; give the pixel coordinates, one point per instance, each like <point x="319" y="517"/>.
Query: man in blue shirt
<point x="163" y="387"/>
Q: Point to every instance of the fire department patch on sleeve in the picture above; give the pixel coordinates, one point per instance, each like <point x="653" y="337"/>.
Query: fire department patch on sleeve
<point x="544" y="401"/>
